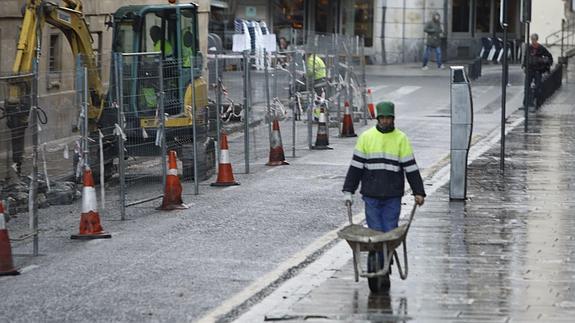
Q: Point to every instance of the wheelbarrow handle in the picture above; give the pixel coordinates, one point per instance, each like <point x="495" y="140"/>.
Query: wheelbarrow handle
<point x="349" y="215"/>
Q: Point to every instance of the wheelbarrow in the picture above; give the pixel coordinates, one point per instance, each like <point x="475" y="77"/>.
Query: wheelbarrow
<point x="376" y="243"/>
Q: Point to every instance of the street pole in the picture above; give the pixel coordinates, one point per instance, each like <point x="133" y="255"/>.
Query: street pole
<point x="246" y="58"/>
<point x="503" y="22"/>
<point x="526" y="19"/>
<point x="526" y="85"/>
<point x="267" y="92"/>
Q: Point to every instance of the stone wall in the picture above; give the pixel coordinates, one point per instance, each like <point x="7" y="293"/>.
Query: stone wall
<point x="401" y="23"/>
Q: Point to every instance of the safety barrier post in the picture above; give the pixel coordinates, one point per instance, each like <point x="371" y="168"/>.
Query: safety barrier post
<point x="162" y="125"/>
<point x="349" y="61"/>
<point x="218" y="111"/>
<point x="33" y="204"/>
<point x="194" y="128"/>
<point x="295" y="98"/>
<point x="325" y="88"/>
<point x="119" y="72"/>
<point x="267" y="92"/>
<point x="311" y="95"/>
<point x="246" y="55"/>
<point x="337" y="71"/>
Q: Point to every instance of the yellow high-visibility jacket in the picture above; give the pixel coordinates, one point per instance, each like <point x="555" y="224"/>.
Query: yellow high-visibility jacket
<point x="379" y="162"/>
<point x="315" y="67"/>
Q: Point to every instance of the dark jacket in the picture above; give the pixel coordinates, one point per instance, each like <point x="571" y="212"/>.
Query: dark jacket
<point x="538" y="59"/>
<point x="433" y="31"/>
<point x="381" y="161"/>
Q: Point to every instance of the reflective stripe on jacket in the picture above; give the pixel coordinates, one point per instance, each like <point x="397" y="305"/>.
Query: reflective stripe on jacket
<point x="379" y="162"/>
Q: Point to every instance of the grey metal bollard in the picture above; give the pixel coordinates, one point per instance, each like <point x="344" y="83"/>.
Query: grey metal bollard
<point x="461" y="130"/>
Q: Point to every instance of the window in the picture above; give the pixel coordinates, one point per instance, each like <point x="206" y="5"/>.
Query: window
<point x="483" y="16"/>
<point x="54" y="63"/>
<point x="54" y="57"/>
<point x="460" y="16"/>
<point x="364" y="21"/>
<point x="97" y="49"/>
<point x="357" y="19"/>
<point x="287" y="15"/>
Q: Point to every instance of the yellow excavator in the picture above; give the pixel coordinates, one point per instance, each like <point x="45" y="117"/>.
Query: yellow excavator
<point x="171" y="29"/>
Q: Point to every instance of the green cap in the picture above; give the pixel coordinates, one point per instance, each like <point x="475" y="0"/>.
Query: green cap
<point x="385" y="109"/>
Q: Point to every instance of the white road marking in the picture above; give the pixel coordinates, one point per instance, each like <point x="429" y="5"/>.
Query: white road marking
<point x="229" y="188"/>
<point x="401" y="92"/>
<point x="376" y="88"/>
<point x="28" y="268"/>
<point x="271" y="169"/>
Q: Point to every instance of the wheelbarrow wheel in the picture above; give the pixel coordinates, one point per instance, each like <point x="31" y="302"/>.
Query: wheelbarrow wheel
<point x="377" y="284"/>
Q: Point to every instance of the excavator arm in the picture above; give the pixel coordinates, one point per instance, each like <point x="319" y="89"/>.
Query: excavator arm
<point x="71" y="21"/>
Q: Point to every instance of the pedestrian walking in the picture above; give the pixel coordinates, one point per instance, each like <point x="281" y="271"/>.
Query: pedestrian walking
<point x="537" y="62"/>
<point x="382" y="158"/>
<point x="434" y="33"/>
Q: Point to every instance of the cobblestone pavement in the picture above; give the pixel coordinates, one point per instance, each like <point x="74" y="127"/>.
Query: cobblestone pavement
<point x="507" y="254"/>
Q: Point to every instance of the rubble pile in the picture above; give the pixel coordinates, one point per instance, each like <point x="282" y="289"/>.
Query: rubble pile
<point x="16" y="189"/>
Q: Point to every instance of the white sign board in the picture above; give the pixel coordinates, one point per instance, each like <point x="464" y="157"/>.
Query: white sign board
<point x="270" y="42"/>
<point x="240" y="43"/>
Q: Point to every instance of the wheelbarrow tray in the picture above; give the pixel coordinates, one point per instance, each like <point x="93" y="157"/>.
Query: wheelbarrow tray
<point x="362" y="239"/>
<point x="372" y="240"/>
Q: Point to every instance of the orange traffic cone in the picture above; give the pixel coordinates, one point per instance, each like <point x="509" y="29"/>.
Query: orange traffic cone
<point x="370" y="105"/>
<point x="322" y="138"/>
<point x="277" y="156"/>
<point x="173" y="191"/>
<point x="347" y="124"/>
<point x="90" y="227"/>
<point x="6" y="264"/>
<point x="225" y="172"/>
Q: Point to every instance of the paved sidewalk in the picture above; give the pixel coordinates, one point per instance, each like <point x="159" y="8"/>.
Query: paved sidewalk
<point x="507" y="254"/>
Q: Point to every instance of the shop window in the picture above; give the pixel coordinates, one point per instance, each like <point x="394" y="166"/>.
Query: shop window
<point x="287" y="15"/>
<point x="358" y="20"/>
<point x="364" y="21"/>
<point x="483" y="16"/>
<point x="460" y="16"/>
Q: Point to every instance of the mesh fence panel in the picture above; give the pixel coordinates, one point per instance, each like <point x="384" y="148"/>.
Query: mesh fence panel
<point x="134" y="104"/>
<point x="145" y="100"/>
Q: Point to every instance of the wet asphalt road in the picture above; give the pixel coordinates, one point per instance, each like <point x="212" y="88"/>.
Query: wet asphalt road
<point x="179" y="266"/>
<point x="507" y="254"/>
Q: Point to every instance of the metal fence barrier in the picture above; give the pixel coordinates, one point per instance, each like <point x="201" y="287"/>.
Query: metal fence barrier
<point x="148" y="97"/>
<point x="551" y="83"/>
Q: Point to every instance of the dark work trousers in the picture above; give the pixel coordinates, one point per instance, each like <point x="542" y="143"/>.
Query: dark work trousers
<point x="533" y="76"/>
<point x="382" y="215"/>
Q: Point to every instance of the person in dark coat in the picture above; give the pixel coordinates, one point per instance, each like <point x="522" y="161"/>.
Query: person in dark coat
<point x="434" y="32"/>
<point x="537" y="61"/>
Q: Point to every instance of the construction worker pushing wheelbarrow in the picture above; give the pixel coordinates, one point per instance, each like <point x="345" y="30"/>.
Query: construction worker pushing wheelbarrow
<point x="382" y="155"/>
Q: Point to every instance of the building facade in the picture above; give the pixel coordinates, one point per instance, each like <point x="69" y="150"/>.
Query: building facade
<point x="392" y="29"/>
